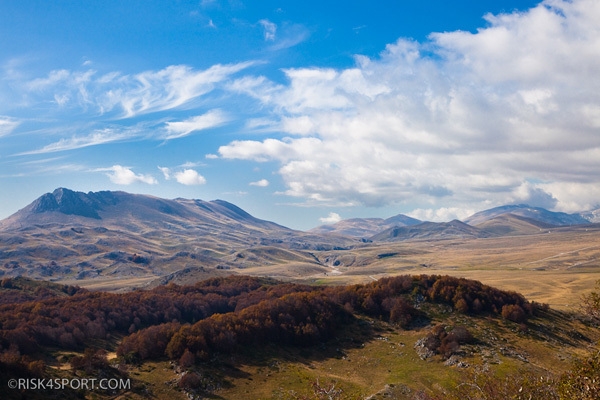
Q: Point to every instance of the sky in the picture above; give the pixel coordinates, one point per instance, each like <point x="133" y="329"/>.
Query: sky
<point x="305" y="112"/>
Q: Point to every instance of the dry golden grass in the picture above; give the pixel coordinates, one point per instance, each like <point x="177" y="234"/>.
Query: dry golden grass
<point x="554" y="268"/>
<point x="386" y="365"/>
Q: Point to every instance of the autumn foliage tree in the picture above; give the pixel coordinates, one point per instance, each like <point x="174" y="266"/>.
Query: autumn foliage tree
<point x="219" y="314"/>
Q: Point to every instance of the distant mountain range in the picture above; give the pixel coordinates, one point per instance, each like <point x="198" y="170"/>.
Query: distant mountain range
<point x="504" y="220"/>
<point x="533" y="213"/>
<point x="117" y="235"/>
<point x="365" y="227"/>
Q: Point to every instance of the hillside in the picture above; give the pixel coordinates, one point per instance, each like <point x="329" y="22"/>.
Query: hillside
<point x="511" y="224"/>
<point x="406" y="337"/>
<point x="430" y="231"/>
<point x="365" y="227"/>
<point x="117" y="236"/>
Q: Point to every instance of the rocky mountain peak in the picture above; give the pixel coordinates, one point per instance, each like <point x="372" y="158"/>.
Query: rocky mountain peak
<point x="66" y="202"/>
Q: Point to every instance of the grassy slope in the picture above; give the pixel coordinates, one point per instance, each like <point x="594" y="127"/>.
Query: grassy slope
<point x="374" y="358"/>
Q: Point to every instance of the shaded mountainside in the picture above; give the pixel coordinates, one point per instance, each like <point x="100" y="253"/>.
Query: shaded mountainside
<point x="365" y="227"/>
<point x="75" y="235"/>
<point x="534" y="213"/>
<point x="431" y="231"/>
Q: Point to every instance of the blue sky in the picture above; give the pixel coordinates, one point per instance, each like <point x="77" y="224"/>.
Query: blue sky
<point x="304" y="112"/>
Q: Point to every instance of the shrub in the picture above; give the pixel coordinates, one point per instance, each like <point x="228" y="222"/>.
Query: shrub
<point x="514" y="313"/>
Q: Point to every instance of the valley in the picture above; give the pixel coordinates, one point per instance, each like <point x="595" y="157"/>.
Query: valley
<point x="118" y="241"/>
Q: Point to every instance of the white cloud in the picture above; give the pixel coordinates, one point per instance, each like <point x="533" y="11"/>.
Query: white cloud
<point x="289" y="36"/>
<point x="460" y="121"/>
<point x="534" y="196"/>
<point x="132" y="95"/>
<point x="166" y="172"/>
<point x="186" y="176"/>
<point x="208" y="120"/>
<point x="442" y="214"/>
<point x="269" y="28"/>
<point x="7" y="125"/>
<point x="189" y="177"/>
<point x="125" y="176"/>
<point x="260" y="183"/>
<point x="97" y="137"/>
<point x="165" y="89"/>
<point x="332" y="218"/>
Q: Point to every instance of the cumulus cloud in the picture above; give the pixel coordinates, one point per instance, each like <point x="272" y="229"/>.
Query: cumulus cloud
<point x="332" y="218"/>
<point x="442" y="213"/>
<point x="260" y="183"/>
<point x="189" y="177"/>
<point x="462" y="119"/>
<point x="535" y="196"/>
<point x="125" y="176"/>
<point x="186" y="176"/>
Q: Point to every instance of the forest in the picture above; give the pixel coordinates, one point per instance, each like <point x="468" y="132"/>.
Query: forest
<point x="190" y="324"/>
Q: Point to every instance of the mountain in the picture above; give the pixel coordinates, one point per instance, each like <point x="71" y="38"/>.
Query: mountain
<point x="534" y="213"/>
<point x="364" y="227"/>
<point x="430" y="231"/>
<point x="117" y="235"/>
<point x="137" y="213"/>
<point x="511" y="224"/>
<point x="593" y="216"/>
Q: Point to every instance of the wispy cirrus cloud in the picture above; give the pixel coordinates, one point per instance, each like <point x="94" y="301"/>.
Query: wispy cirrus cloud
<point x="130" y="95"/>
<point x="289" y="35"/>
<point x="7" y="125"/>
<point x="283" y="36"/>
<point x="269" y="29"/>
<point x="97" y="137"/>
<point x="211" y="119"/>
<point x="165" y="89"/>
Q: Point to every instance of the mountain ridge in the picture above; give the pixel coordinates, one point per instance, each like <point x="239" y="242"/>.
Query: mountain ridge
<point x="524" y="210"/>
<point x="431" y="231"/>
<point x="68" y="206"/>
